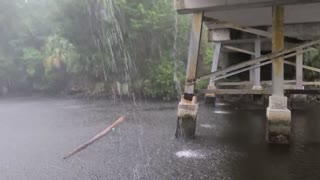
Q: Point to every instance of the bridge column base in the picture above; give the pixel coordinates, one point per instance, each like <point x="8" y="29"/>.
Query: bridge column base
<point x="210" y="98"/>
<point x="187" y="119"/>
<point x="278" y="121"/>
<point x="257" y="88"/>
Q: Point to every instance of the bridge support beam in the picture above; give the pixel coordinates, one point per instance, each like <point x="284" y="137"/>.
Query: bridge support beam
<point x="188" y="107"/>
<point x="278" y="115"/>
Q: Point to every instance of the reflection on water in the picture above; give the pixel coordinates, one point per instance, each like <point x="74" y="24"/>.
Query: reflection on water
<point x="221" y="112"/>
<point x="36" y="133"/>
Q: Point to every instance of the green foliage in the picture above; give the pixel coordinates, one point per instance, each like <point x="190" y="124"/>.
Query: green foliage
<point x="33" y="60"/>
<point x="312" y="59"/>
<point x="58" y="52"/>
<point x="142" y="43"/>
<point x="160" y="82"/>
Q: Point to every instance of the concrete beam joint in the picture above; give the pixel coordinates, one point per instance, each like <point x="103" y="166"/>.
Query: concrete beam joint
<point x="279" y="116"/>
<point x="278" y="102"/>
<point x="257" y="88"/>
<point x="219" y="35"/>
<point x="212" y="87"/>
<point x="188" y="108"/>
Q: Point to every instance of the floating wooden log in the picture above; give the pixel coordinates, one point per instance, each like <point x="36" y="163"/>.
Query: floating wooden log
<point x="94" y="139"/>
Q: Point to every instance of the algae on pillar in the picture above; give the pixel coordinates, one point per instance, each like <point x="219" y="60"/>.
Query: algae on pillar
<point x="278" y="115"/>
<point x="188" y="107"/>
<point x="279" y="121"/>
<point x="187" y="119"/>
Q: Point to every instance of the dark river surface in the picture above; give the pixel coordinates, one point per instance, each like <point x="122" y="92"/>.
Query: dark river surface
<point x="35" y="133"/>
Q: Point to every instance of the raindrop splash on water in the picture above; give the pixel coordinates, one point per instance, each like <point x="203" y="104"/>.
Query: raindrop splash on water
<point x="190" y="154"/>
<point x="221" y="112"/>
<point x="208" y="126"/>
<point x="222" y="104"/>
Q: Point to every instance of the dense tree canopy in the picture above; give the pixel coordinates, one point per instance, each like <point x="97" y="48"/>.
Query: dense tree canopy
<point x="56" y="45"/>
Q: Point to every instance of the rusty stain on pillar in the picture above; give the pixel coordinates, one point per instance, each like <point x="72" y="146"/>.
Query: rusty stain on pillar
<point x="194" y="48"/>
<point x="279" y="116"/>
<point x="277" y="45"/>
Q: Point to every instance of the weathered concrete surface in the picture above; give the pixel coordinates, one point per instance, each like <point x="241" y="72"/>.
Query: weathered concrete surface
<point x="193" y="53"/>
<point x="278" y="121"/>
<point x="187" y="119"/>
<point x="210" y="98"/>
<point x="189" y="6"/>
<point x="258" y="88"/>
<point x="277" y="45"/>
<point x="296" y="14"/>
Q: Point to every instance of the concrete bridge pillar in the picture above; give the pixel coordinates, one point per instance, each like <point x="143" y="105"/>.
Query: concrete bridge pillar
<point x="278" y="115"/>
<point x="217" y="35"/>
<point x="188" y="107"/>
<point x="299" y="70"/>
<point x="211" y="98"/>
<point x="299" y="98"/>
<point x="257" y="71"/>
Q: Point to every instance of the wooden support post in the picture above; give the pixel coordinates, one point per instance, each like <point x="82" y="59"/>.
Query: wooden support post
<point x="194" y="47"/>
<point x="277" y="45"/>
<point x="299" y="70"/>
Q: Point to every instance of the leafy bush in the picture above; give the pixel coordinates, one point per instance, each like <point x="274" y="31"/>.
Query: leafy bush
<point x="160" y="82"/>
<point x="312" y="59"/>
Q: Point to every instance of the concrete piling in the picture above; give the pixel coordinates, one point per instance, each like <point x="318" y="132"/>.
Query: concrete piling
<point x="278" y="115"/>
<point x="187" y="119"/>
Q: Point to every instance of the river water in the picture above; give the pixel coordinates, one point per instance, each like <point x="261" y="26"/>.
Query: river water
<point x="35" y="133"/>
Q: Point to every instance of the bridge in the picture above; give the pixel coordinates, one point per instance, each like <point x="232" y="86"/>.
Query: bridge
<point x="248" y="35"/>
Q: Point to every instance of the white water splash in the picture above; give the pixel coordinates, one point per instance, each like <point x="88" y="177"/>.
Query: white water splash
<point x="221" y="112"/>
<point x="190" y="154"/>
<point x="208" y="126"/>
<point x="222" y="104"/>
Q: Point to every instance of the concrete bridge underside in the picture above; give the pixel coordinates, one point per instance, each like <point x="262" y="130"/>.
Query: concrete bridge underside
<point x="287" y="28"/>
